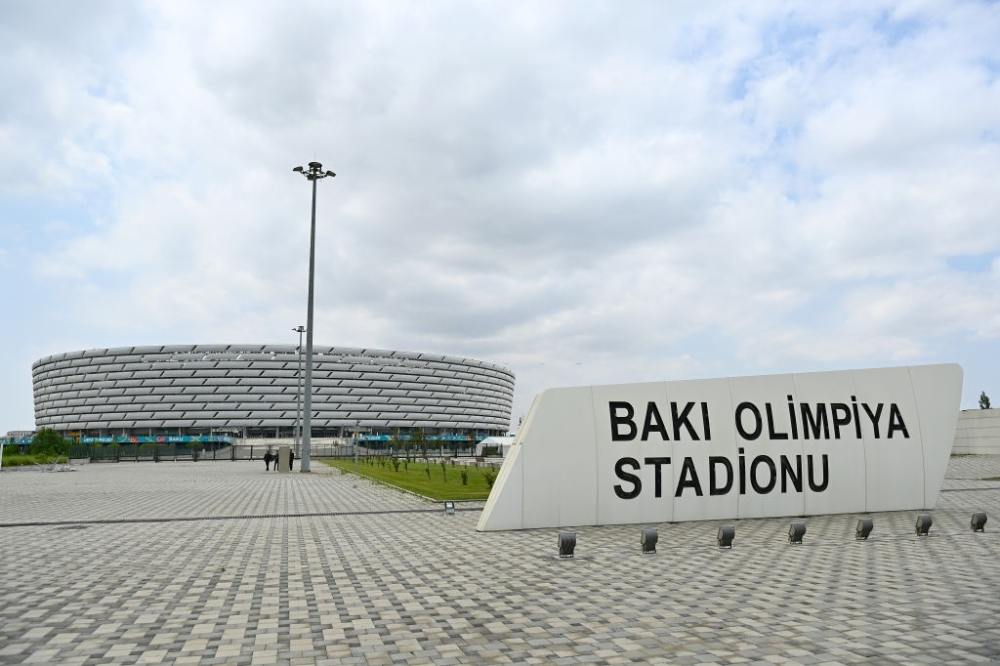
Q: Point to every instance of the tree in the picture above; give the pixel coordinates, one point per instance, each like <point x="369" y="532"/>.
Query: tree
<point x="47" y="442"/>
<point x="417" y="440"/>
<point x="984" y="400"/>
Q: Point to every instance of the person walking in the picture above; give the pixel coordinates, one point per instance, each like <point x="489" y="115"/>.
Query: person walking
<point x="267" y="460"/>
<point x="291" y="459"/>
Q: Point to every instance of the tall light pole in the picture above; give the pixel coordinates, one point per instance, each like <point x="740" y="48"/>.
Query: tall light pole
<point x="313" y="173"/>
<point x="297" y="430"/>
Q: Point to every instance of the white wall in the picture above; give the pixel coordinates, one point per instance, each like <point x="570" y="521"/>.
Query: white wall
<point x="978" y="431"/>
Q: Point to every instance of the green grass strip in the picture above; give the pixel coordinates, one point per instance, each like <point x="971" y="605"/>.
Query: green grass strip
<point x="25" y="459"/>
<point x="439" y="484"/>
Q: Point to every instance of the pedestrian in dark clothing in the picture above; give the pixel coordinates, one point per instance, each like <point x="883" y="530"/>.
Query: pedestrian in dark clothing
<point x="291" y="459"/>
<point x="267" y="460"/>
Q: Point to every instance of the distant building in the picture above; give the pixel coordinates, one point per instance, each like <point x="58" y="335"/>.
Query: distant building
<point x="251" y="391"/>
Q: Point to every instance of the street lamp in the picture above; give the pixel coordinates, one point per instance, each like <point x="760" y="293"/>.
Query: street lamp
<point x="313" y="173"/>
<point x="297" y="430"/>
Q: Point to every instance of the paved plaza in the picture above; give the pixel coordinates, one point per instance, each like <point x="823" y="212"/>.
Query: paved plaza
<point x="224" y="563"/>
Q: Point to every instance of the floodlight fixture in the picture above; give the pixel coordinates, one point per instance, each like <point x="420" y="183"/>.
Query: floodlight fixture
<point x="979" y="522"/>
<point x="726" y="535"/>
<point x="449" y="508"/>
<point x="298" y="169"/>
<point x="567" y="544"/>
<point x="648" y="538"/>
<point x="924" y="522"/>
<point x="864" y="528"/>
<point x="796" y="531"/>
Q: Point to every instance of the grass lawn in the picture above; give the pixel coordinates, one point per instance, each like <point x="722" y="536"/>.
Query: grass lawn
<point x="23" y="459"/>
<point x="446" y="486"/>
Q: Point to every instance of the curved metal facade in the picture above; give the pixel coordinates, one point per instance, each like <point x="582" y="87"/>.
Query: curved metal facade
<point x="224" y="386"/>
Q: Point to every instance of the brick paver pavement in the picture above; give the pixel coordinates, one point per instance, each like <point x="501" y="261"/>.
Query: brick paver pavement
<point x="396" y="586"/>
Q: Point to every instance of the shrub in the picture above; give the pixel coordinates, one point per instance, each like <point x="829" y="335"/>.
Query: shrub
<point x="444" y="471"/>
<point x="490" y="477"/>
<point x="395" y="464"/>
<point x="48" y="442"/>
<point x="465" y="477"/>
<point x="428" y="470"/>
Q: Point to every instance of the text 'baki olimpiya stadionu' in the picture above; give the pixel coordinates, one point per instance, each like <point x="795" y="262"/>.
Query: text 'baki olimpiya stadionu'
<point x="251" y="391"/>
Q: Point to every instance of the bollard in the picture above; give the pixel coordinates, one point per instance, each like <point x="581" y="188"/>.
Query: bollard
<point x="863" y="529"/>
<point x="647" y="539"/>
<point x="567" y="544"/>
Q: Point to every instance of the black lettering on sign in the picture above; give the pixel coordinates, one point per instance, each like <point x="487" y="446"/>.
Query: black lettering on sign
<point x="792" y="419"/>
<point x="657" y="476"/>
<point x="682" y="420"/>
<point x="857" y="419"/>
<point x="653" y="422"/>
<point x="841" y="417"/>
<point x="815" y="486"/>
<point x="754" y="433"/>
<point x="874" y="417"/>
<point x="689" y="478"/>
<point x="896" y="422"/>
<point x="767" y="486"/>
<point x="626" y="420"/>
<point x="714" y="488"/>
<point x="789" y="474"/>
<point x="771" y="432"/>
<point x="817" y="425"/>
<point x="627" y="477"/>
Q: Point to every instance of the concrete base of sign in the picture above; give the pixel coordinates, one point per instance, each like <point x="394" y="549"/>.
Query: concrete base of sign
<point x="744" y="447"/>
<point x="283" y="453"/>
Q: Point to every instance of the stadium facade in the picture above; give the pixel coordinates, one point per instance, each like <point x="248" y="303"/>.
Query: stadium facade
<point x="251" y="391"/>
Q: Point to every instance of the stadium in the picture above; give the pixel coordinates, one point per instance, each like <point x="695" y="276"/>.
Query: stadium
<point x="198" y="392"/>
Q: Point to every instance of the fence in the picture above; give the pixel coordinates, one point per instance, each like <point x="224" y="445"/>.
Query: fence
<point x="222" y="451"/>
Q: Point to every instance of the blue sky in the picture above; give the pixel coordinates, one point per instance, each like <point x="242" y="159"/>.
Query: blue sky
<point x="584" y="192"/>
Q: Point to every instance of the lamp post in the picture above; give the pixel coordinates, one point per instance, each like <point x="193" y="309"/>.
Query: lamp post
<point x="313" y="173"/>
<point x="297" y="430"/>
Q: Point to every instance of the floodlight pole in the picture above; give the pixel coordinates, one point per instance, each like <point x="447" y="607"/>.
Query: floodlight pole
<point x="313" y="173"/>
<point x="297" y="430"/>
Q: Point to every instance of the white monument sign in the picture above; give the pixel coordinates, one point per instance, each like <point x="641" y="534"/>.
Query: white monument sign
<point x="744" y="447"/>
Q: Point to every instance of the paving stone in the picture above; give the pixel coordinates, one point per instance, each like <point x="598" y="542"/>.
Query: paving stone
<point x="373" y="585"/>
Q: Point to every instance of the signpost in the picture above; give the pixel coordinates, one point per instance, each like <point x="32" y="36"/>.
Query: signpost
<point x="743" y="447"/>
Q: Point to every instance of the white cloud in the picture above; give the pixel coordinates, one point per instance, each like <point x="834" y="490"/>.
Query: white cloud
<point x="589" y="195"/>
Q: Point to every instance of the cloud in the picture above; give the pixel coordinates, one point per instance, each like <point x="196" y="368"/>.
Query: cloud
<point x="598" y="194"/>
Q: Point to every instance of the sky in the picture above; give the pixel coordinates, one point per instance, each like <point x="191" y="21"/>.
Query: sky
<point x="584" y="192"/>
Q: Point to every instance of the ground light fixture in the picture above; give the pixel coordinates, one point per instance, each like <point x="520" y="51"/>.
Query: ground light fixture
<point x="449" y="508"/>
<point x="864" y="528"/>
<point x="648" y="538"/>
<point x="978" y="522"/>
<point x="313" y="174"/>
<point x="796" y="531"/>
<point x="567" y="544"/>
<point x="924" y="522"/>
<point x="726" y="535"/>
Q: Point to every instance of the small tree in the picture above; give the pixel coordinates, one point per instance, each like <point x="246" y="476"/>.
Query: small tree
<point x="984" y="400"/>
<point x="47" y="442"/>
<point x="418" y="441"/>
